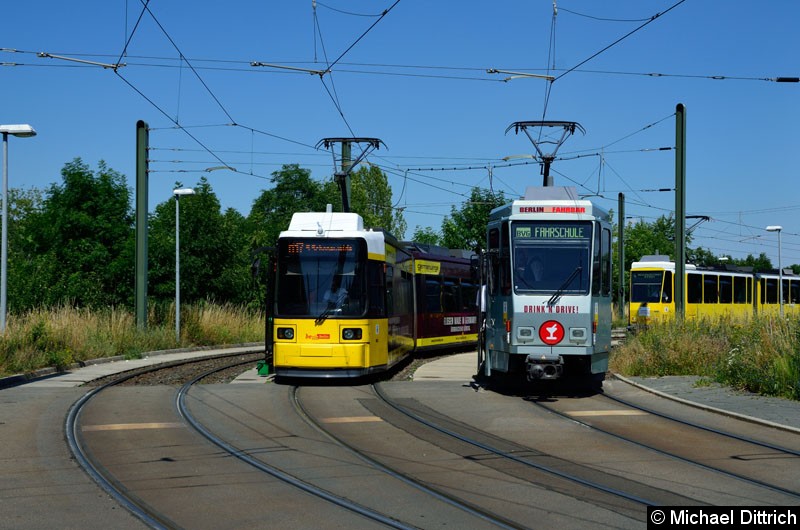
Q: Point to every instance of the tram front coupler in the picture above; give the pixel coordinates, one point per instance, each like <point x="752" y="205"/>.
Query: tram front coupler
<point x="540" y="368"/>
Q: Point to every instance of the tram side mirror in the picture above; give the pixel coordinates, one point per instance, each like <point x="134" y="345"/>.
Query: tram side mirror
<point x="475" y="268"/>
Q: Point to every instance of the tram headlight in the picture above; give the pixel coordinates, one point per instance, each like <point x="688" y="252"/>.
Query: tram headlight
<point x="351" y="334"/>
<point x="578" y="335"/>
<point x="286" y="333"/>
<point x="525" y="333"/>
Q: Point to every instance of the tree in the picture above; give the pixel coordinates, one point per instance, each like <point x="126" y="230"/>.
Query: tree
<point x="371" y="197"/>
<point x="759" y="264"/>
<point x="642" y="239"/>
<point x="702" y="257"/>
<point x="293" y="191"/>
<point x="28" y="282"/>
<point x="212" y="245"/>
<point x="466" y="228"/>
<point x="426" y="235"/>
<point x="80" y="243"/>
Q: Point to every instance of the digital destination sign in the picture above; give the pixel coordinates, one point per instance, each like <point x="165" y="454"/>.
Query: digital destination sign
<point x="551" y="231"/>
<point x="299" y="247"/>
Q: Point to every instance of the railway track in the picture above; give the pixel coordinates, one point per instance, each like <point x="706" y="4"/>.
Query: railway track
<point x="726" y="467"/>
<point x="429" y="503"/>
<point x="570" y="478"/>
<point x="349" y="447"/>
<point x="96" y="470"/>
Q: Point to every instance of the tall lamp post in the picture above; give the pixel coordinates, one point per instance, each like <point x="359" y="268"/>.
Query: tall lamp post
<point x="22" y="131"/>
<point x="178" y="193"/>
<point x="777" y="228"/>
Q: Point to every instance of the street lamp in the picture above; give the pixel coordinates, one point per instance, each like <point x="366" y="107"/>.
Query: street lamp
<point x="178" y="193"/>
<point x="22" y="131"/>
<point x="777" y="228"/>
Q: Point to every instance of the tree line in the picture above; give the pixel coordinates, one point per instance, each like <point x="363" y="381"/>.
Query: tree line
<point x="74" y="242"/>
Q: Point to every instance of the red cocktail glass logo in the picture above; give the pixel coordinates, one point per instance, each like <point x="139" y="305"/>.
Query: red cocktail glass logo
<point x="551" y="332"/>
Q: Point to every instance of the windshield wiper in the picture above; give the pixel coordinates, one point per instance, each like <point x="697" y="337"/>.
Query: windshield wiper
<point x="557" y="295"/>
<point x="325" y="314"/>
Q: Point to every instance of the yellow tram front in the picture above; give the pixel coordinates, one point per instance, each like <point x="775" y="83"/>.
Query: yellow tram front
<point x="333" y="283"/>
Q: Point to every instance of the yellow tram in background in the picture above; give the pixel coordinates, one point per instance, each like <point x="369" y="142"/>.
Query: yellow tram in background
<point x="709" y="292"/>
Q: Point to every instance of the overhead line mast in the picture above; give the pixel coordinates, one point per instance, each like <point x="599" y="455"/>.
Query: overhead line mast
<point x="347" y="163"/>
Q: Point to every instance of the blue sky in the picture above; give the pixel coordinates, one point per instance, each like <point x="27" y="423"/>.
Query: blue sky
<point x="417" y="80"/>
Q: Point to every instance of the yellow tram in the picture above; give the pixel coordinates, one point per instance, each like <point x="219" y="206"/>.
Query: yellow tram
<point x="709" y="292"/>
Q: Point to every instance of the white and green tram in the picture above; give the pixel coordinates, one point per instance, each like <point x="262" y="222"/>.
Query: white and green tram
<point x="546" y="274"/>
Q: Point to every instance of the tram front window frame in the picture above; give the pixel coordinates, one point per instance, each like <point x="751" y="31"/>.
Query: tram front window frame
<point x="564" y="250"/>
<point x="321" y="276"/>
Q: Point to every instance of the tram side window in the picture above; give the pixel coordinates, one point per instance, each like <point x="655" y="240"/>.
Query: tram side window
<point x="786" y="291"/>
<point x="450" y="296"/>
<point x="725" y="289"/>
<point x="710" y="289"/>
<point x="666" y="290"/>
<point x="505" y="260"/>
<point x="795" y="296"/>
<point x="740" y="290"/>
<point x="596" y="264"/>
<point x="494" y="245"/>
<point x="469" y="297"/>
<point x="605" y="251"/>
<point x="403" y="298"/>
<point x="390" y="288"/>
<point x="694" y="288"/>
<point x="770" y="293"/>
<point x="433" y="295"/>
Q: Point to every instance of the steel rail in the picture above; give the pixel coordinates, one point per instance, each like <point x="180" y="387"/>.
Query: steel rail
<point x="514" y="458"/>
<point x="759" y="443"/>
<point x="666" y="453"/>
<point x="117" y="491"/>
<point x="502" y="522"/>
<point x="271" y="470"/>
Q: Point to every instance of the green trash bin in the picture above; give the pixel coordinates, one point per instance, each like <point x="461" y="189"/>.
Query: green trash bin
<point x="263" y="368"/>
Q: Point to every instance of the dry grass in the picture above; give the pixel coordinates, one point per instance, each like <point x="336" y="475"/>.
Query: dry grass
<point x="759" y="354"/>
<point x="64" y="335"/>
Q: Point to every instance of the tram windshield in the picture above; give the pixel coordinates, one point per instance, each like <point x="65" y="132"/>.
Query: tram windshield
<point x="646" y="286"/>
<point x="552" y="256"/>
<point x="321" y="278"/>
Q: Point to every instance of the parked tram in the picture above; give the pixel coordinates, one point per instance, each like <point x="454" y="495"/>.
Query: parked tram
<point x="351" y="302"/>
<point x="547" y="269"/>
<point x="710" y="292"/>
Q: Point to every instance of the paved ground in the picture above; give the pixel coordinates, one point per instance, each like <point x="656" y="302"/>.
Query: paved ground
<point x="461" y="367"/>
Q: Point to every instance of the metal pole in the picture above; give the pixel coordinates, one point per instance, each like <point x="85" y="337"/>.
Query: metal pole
<point x="177" y="271"/>
<point x="780" y="273"/>
<point x="142" y="145"/>
<point x="4" y="256"/>
<point x="621" y="260"/>
<point x="680" y="211"/>
<point x="344" y="176"/>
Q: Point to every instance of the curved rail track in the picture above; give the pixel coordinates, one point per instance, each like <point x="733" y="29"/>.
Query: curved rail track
<point x="526" y="466"/>
<point x="760" y="465"/>
<point x="510" y="451"/>
<point x="711" y="449"/>
<point x="86" y="460"/>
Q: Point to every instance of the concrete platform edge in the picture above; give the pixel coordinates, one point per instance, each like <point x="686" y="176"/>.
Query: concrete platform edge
<point x="709" y="408"/>
<point x="43" y="373"/>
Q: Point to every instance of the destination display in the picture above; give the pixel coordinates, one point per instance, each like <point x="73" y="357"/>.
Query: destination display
<point x="581" y="207"/>
<point x="299" y="247"/>
<point x="553" y="230"/>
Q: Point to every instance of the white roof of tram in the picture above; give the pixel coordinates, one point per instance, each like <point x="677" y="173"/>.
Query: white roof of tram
<point x="335" y="225"/>
<point x="551" y="202"/>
